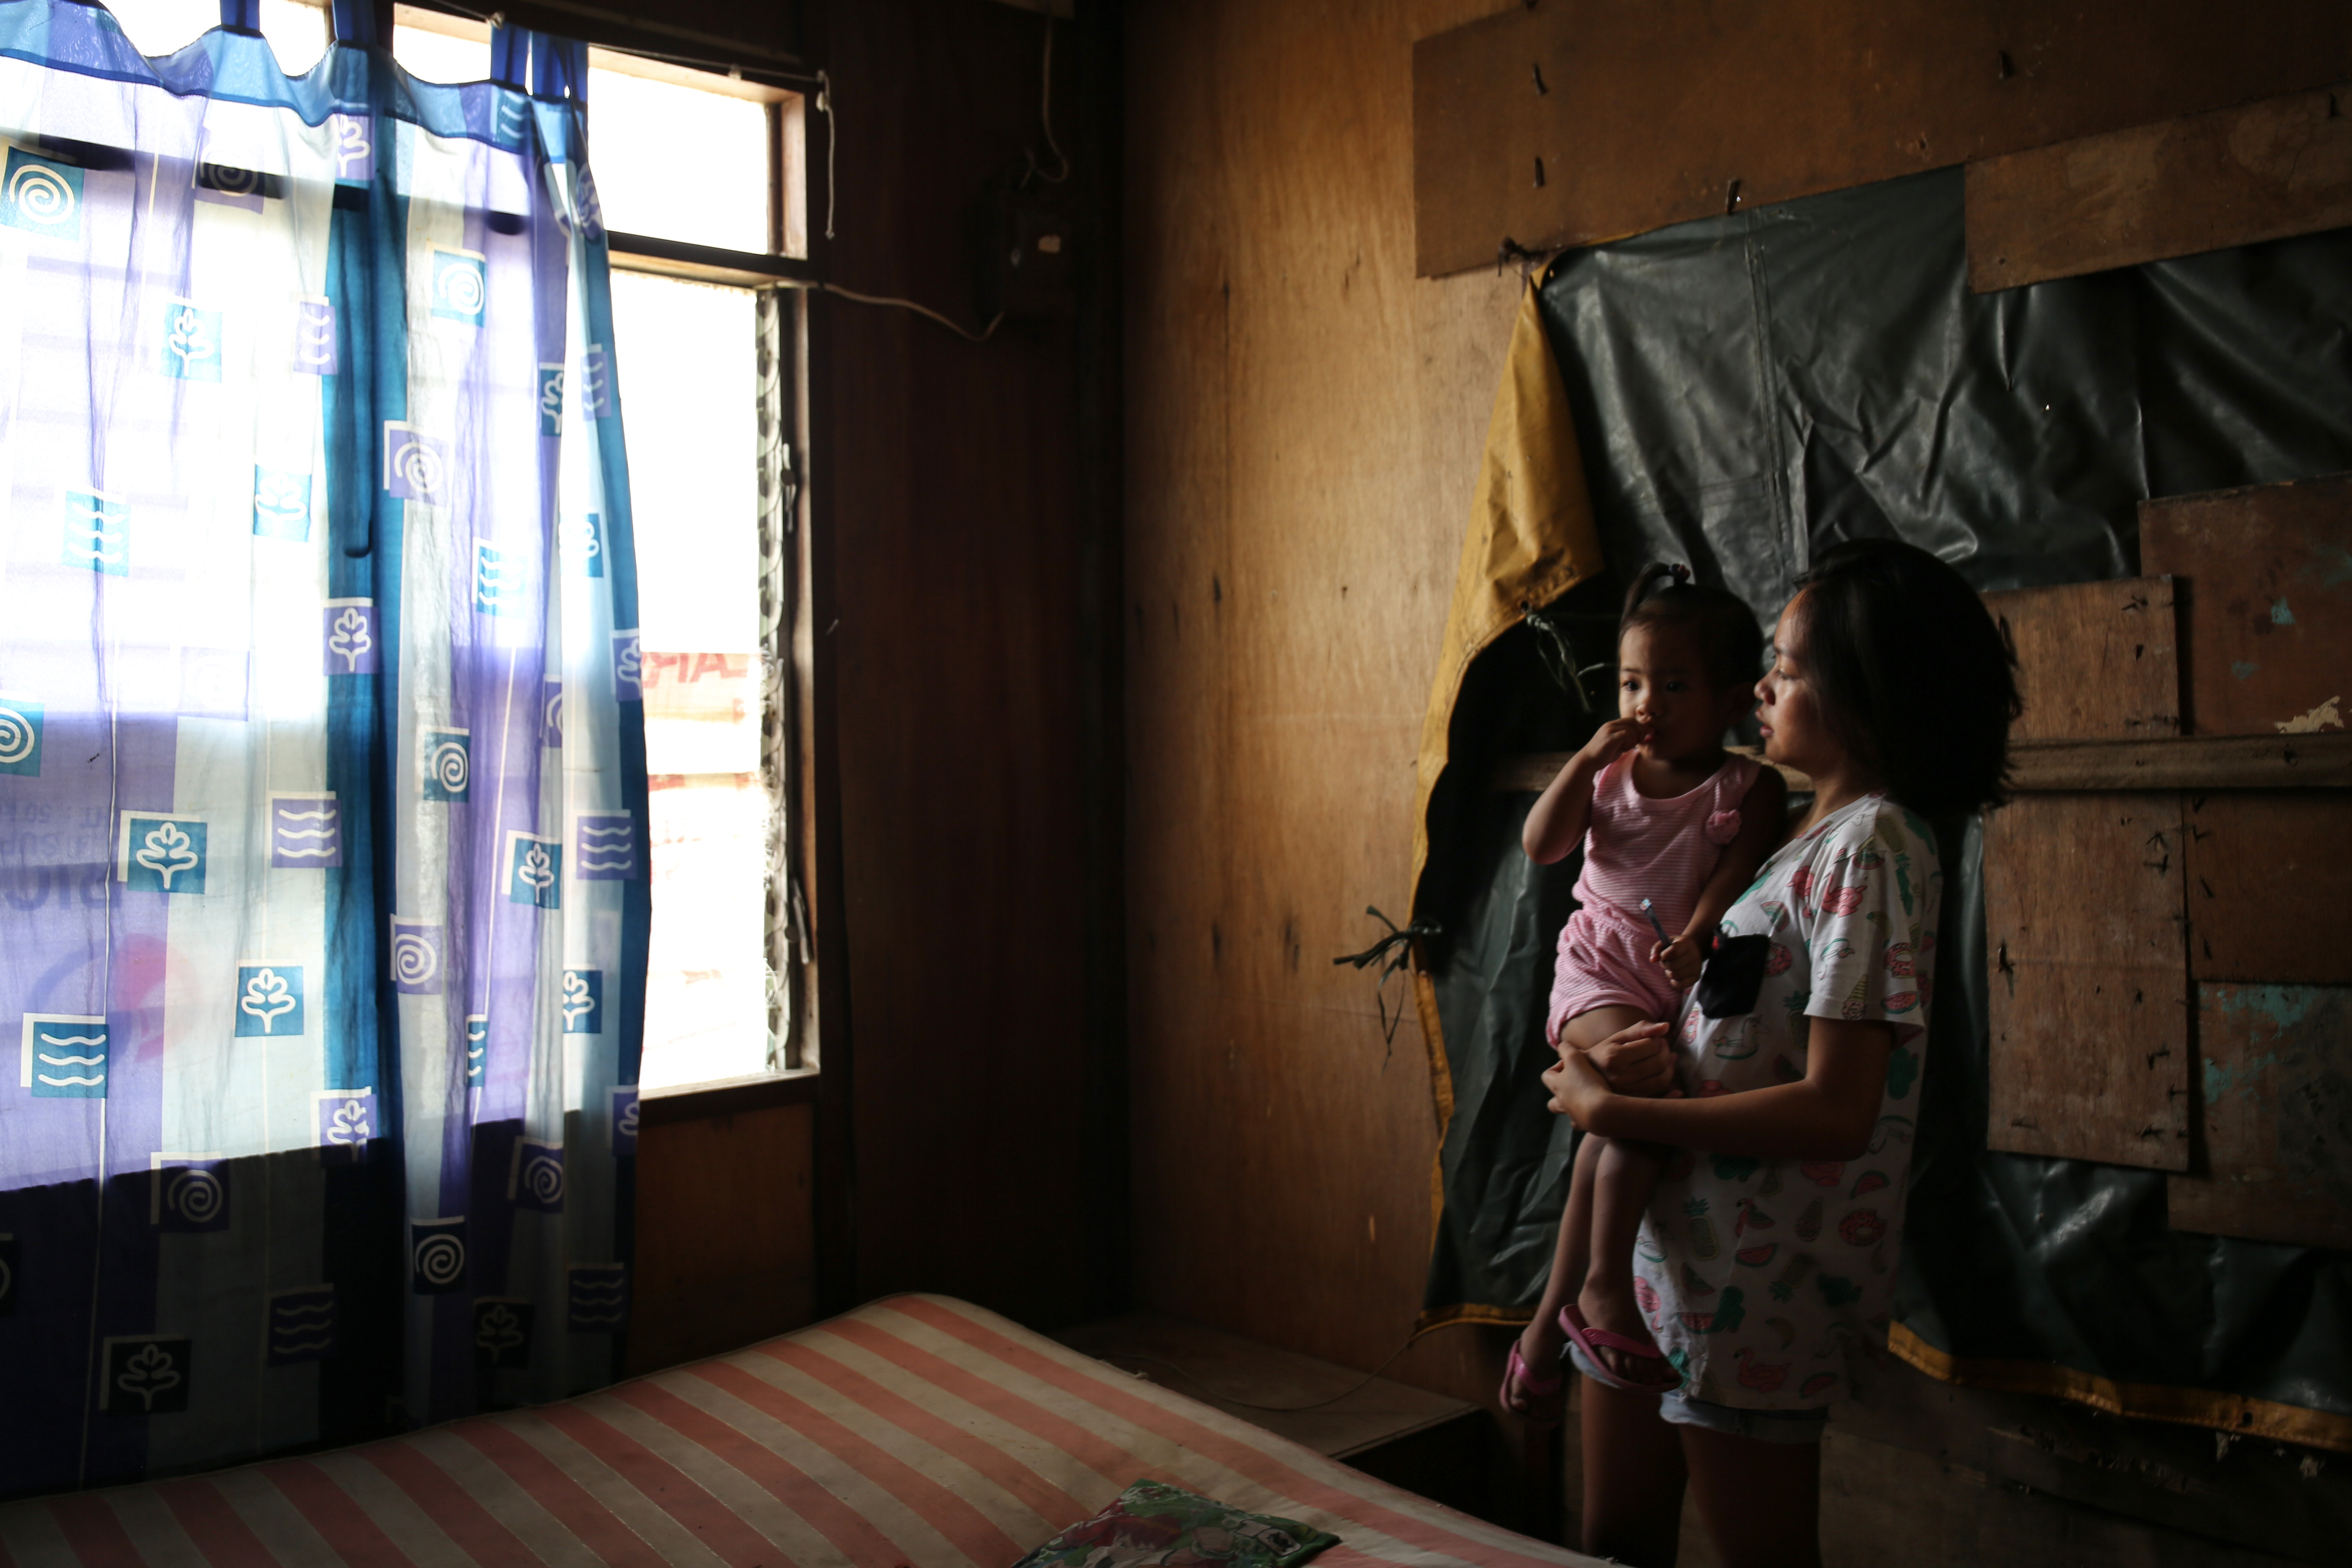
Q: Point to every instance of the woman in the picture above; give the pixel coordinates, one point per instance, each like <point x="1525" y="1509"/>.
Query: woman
<point x="1767" y="1260"/>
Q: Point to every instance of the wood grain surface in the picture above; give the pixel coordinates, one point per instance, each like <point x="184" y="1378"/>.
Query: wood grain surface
<point x="2200" y="182"/>
<point x="2094" y="660"/>
<point x="1303" y="430"/>
<point x="2090" y="1045"/>
<point x="2276" y="1077"/>
<point x="2265" y="576"/>
<point x="2269" y="884"/>
<point x="1558" y="124"/>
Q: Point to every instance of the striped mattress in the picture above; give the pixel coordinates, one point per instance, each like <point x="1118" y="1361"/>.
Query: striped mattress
<point x="917" y="1430"/>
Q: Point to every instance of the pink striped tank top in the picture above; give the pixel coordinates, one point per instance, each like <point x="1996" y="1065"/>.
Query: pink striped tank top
<point x="1662" y="850"/>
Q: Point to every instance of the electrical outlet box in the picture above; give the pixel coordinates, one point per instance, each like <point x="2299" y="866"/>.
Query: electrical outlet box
<point x="1025" y="251"/>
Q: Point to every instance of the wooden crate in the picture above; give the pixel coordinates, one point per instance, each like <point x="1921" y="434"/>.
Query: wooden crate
<point x="2095" y="661"/>
<point x="2090" y="1044"/>
<point x="2276" y="1112"/>
<point x="2266" y="576"/>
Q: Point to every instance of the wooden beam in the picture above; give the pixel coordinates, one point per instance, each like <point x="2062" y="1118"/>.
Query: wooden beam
<point x="2058" y="767"/>
<point x="2215" y="762"/>
<point x="2259" y="171"/>
<point x="2094" y="660"/>
<point x="1564" y="125"/>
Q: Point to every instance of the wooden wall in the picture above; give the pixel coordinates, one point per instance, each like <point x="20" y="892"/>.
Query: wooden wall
<point x="1303" y="424"/>
<point x="951" y="613"/>
<point x="965" y="1135"/>
<point x="1304" y="421"/>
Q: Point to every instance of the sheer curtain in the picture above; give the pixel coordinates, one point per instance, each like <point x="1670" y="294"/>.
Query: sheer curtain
<point x="323" y="895"/>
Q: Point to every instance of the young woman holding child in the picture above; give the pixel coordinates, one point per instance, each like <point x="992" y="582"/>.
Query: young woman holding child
<point x="1764" y="1269"/>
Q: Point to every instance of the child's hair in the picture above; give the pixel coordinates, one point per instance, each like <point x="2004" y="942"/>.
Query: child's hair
<point x="1913" y="673"/>
<point x="1719" y="620"/>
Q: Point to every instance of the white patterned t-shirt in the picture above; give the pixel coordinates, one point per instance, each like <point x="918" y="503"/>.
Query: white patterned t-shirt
<point x="1760" y="1278"/>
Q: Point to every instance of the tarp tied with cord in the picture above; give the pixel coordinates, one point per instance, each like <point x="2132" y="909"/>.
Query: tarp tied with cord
<point x="1741" y="393"/>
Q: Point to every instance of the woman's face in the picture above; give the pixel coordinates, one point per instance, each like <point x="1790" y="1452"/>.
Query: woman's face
<point x="1789" y="710"/>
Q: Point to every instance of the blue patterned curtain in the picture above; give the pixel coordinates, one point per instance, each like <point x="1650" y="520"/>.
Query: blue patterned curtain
<point x="322" y="793"/>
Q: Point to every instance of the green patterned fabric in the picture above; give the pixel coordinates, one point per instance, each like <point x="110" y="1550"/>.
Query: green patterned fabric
<point x="1162" y="1524"/>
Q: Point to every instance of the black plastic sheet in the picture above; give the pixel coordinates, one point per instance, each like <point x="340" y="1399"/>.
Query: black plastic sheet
<point x="1750" y="390"/>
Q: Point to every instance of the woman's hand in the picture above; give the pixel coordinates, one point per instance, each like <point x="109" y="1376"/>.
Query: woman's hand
<point x="1635" y="1062"/>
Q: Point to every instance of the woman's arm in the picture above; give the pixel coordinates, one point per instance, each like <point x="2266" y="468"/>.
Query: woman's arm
<point x="1557" y="821"/>
<point x="1763" y="813"/>
<point x="1827" y="1115"/>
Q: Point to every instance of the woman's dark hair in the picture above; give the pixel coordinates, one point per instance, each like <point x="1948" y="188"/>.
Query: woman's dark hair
<point x="1913" y="673"/>
<point x="1717" y="619"/>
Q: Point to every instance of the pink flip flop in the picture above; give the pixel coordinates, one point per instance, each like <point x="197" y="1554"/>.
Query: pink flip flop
<point x="1516" y="1371"/>
<point x="1585" y="1343"/>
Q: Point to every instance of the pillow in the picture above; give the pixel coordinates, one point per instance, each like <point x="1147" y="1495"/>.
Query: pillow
<point x="1153" y="1523"/>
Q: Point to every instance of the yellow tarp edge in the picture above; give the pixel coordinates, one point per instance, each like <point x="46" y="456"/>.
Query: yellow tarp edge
<point x="1531" y="538"/>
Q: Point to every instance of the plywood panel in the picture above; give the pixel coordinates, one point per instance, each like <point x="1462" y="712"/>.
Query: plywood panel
<point x="2270" y="882"/>
<point x="1560" y="125"/>
<point x="1303" y="424"/>
<point x="2198" y="182"/>
<point x="2276" y="1077"/>
<point x="948" y="483"/>
<point x="2094" y="660"/>
<point x="2089" y="997"/>
<point x="2266" y="580"/>
<point x="726" y="1235"/>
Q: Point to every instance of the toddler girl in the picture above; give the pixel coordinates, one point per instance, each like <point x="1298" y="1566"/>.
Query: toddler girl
<point x="1674" y="828"/>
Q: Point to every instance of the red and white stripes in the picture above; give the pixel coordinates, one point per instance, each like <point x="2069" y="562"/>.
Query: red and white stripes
<point x="917" y="1430"/>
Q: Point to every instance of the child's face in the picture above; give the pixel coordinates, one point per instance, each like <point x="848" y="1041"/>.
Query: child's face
<point x="1662" y="681"/>
<point x="1789" y="710"/>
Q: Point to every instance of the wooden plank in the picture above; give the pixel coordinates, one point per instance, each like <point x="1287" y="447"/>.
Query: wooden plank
<point x="2259" y="171"/>
<point x="1331" y="1409"/>
<point x="2266" y="580"/>
<point x="2210" y="763"/>
<point x="2094" y="660"/>
<point x="2276" y="1111"/>
<point x="726" y="1233"/>
<point x="1562" y="125"/>
<point x="2089" y="1016"/>
<point x="2269" y="883"/>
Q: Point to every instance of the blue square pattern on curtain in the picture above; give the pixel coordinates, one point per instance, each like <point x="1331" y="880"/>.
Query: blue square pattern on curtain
<point x="322" y="787"/>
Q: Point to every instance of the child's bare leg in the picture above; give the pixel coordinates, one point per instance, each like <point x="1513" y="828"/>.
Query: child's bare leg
<point x="1540" y="1341"/>
<point x="1623" y="1177"/>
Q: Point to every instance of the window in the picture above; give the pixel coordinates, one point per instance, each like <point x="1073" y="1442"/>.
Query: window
<point x="687" y="347"/>
<point x="297" y="31"/>
<point x="697" y="177"/>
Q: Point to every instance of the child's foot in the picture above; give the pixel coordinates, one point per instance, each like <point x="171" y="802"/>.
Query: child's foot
<point x="1608" y="1306"/>
<point x="1531" y="1379"/>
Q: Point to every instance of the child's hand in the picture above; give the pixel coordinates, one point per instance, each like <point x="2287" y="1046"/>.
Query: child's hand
<point x="1615" y="739"/>
<point x="1680" y="958"/>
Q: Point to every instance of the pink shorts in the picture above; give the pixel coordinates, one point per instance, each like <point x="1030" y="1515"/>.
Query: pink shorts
<point x="1605" y="962"/>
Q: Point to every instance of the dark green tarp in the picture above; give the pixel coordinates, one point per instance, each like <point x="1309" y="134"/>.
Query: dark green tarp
<point x="1749" y="390"/>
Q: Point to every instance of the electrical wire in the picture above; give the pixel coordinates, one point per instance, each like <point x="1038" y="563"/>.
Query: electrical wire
<point x="1361" y="1383"/>
<point x="832" y="138"/>
<point x="1046" y="113"/>
<point x="959" y="329"/>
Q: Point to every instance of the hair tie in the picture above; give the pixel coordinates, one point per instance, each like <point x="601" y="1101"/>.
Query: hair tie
<point x="1679" y="573"/>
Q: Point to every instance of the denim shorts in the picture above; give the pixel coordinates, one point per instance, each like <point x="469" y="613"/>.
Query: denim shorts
<point x="1765" y="1426"/>
<point x="1680" y="1409"/>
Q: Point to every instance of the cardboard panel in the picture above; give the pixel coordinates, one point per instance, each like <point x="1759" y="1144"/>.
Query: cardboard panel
<point x="2265" y="578"/>
<point x="2269" y="882"/>
<point x="2277" y="1116"/>
<point x="2200" y="182"/>
<point x="1569" y="124"/>
<point x="2089" y="998"/>
<point x="2094" y="660"/>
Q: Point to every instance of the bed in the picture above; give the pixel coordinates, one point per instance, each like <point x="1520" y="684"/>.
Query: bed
<point x="917" y="1430"/>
